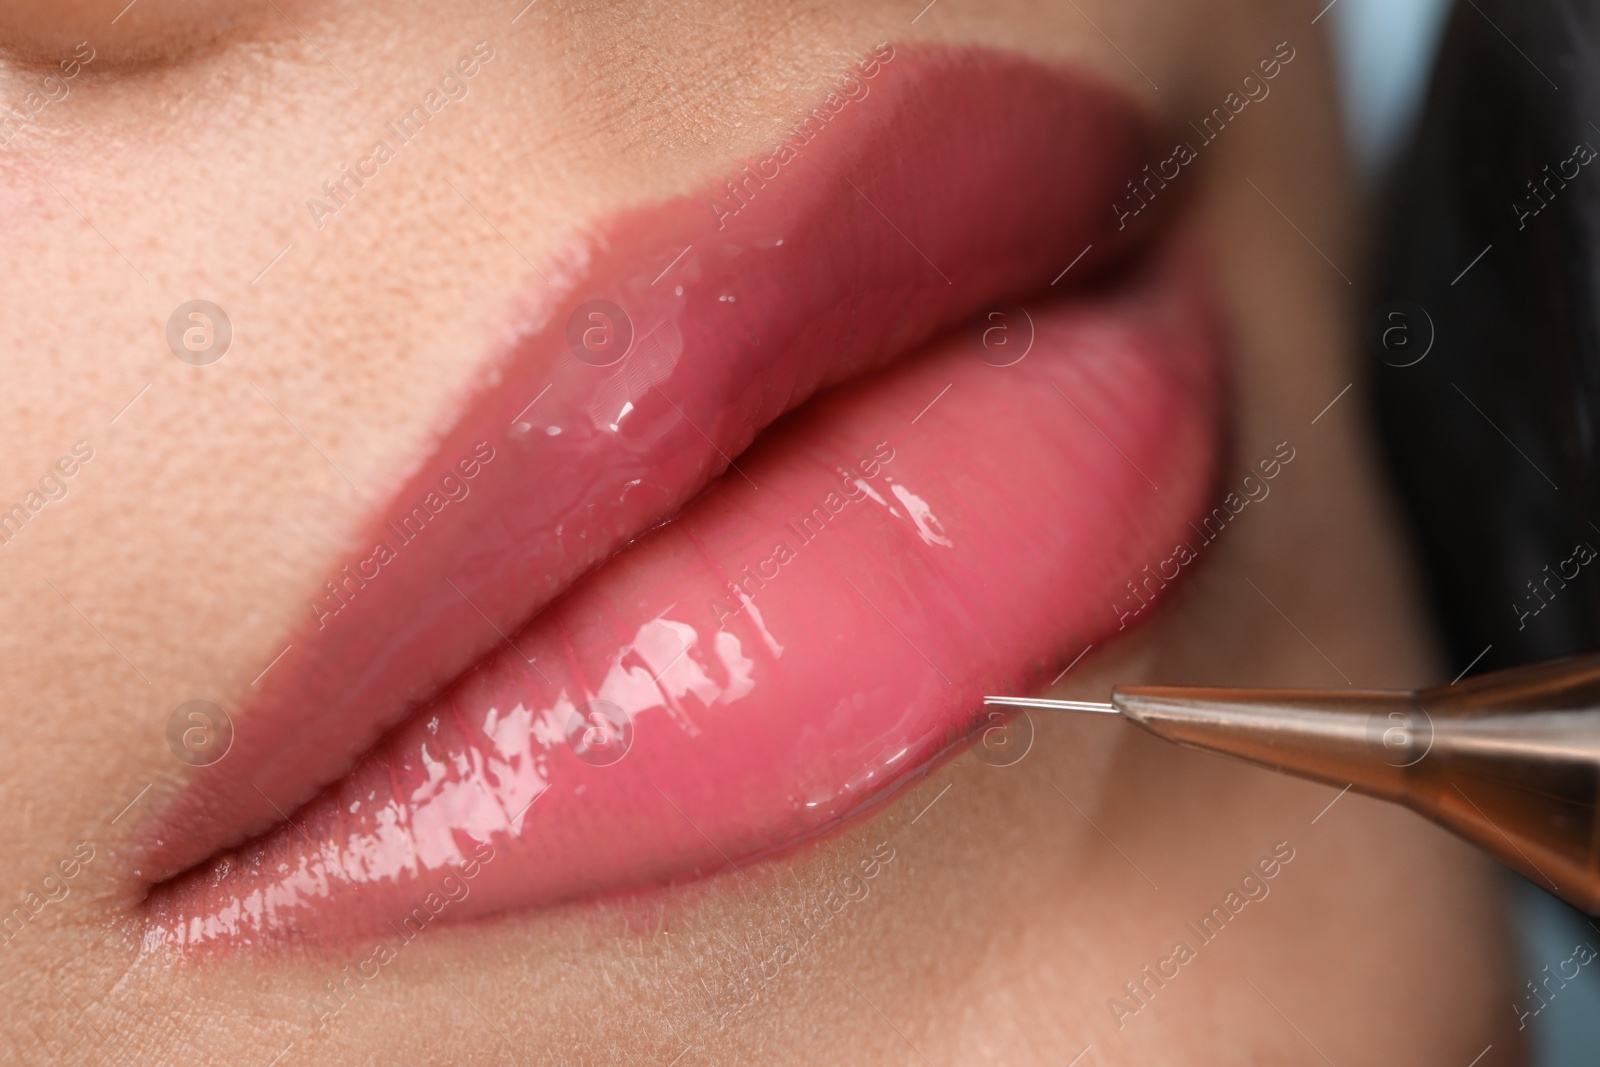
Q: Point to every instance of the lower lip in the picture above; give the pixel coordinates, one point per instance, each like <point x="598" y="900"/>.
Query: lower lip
<point x="807" y="636"/>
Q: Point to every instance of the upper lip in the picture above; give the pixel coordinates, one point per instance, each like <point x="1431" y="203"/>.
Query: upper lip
<point x="569" y="460"/>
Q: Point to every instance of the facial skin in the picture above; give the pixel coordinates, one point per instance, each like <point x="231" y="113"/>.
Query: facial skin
<point x="177" y="165"/>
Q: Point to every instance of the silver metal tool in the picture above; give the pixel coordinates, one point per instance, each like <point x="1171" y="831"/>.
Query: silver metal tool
<point x="1510" y="760"/>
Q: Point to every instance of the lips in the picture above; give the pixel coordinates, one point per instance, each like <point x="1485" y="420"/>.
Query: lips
<point x="524" y="685"/>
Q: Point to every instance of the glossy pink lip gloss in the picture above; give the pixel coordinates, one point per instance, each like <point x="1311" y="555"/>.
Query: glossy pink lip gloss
<point x="781" y="656"/>
<point x="807" y="633"/>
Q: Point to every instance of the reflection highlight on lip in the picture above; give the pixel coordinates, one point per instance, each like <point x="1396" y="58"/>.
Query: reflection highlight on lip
<point x="814" y="628"/>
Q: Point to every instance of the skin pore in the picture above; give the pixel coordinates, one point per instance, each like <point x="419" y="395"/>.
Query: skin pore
<point x="997" y="922"/>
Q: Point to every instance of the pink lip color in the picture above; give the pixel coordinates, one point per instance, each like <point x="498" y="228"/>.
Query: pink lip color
<point x="778" y="672"/>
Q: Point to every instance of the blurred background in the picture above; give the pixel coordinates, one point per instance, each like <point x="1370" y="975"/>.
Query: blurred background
<point x="1386" y="51"/>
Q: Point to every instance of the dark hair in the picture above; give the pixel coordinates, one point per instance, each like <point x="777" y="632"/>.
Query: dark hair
<point x="1489" y="251"/>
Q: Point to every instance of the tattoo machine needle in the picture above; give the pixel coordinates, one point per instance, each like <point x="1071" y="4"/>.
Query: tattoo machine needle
<point x="1510" y="760"/>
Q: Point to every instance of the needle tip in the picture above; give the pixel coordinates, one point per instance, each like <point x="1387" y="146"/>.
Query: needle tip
<point x="1096" y="706"/>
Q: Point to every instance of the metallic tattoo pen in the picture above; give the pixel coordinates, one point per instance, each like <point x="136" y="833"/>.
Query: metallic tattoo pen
<point x="1510" y="761"/>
